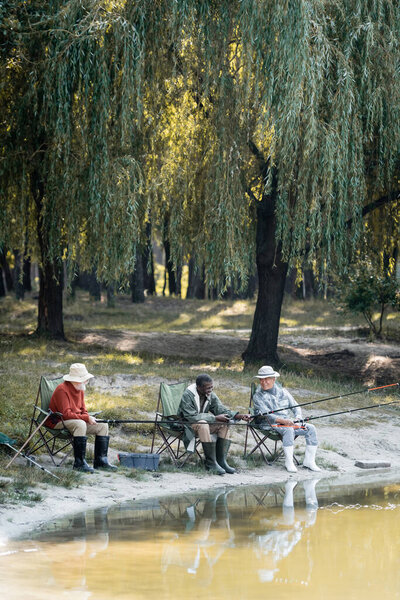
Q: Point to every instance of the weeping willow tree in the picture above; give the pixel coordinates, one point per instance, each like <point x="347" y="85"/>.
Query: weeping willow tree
<point x="70" y="109"/>
<point x="263" y="129"/>
<point x="294" y="107"/>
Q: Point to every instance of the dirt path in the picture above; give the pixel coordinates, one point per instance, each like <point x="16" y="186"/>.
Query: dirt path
<point x="354" y="357"/>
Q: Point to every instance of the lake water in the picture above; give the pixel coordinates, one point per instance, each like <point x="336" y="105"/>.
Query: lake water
<point x="308" y="540"/>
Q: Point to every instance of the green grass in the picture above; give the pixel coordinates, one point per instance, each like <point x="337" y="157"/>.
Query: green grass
<point x="165" y="314"/>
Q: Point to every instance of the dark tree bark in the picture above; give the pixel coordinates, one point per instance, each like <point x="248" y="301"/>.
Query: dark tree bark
<point x="137" y="279"/>
<point x="2" y="286"/>
<point x="18" y="277"/>
<point x="196" y="285"/>
<point x="110" y="296"/>
<point x="174" y="275"/>
<point x="50" y="305"/>
<point x="6" y="269"/>
<point x="94" y="286"/>
<point x="148" y="264"/>
<point x="26" y="277"/>
<point x="272" y="271"/>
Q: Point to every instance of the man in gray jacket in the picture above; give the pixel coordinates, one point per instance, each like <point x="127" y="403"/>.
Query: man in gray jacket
<point x="276" y="409"/>
<point x="206" y="415"/>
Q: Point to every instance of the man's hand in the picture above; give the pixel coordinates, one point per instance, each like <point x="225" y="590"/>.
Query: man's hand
<point x="287" y="422"/>
<point x="92" y="420"/>
<point x="222" y="418"/>
<point x="239" y="417"/>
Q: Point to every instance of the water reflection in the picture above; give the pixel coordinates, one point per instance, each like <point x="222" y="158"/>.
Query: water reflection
<point x="243" y="542"/>
<point x="284" y="531"/>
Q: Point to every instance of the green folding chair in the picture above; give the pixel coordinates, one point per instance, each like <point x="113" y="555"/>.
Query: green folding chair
<point x="171" y="434"/>
<point x="53" y="441"/>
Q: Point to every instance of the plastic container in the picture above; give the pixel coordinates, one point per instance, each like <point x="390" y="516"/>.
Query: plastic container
<point x="147" y="462"/>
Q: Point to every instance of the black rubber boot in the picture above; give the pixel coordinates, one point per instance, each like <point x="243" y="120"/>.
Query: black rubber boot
<point x="210" y="460"/>
<point x="222" y="448"/>
<point x="100" y="453"/>
<point x="80" y="463"/>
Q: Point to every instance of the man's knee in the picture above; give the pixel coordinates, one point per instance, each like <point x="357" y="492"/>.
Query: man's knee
<point x="77" y="427"/>
<point x="312" y="434"/>
<point x="288" y="436"/>
<point x="202" y="431"/>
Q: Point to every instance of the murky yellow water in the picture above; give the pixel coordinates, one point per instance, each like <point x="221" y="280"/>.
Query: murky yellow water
<point x="245" y="543"/>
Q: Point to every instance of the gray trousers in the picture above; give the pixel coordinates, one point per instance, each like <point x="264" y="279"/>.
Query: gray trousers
<point x="289" y="434"/>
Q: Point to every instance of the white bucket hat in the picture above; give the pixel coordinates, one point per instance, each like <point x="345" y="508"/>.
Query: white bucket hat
<point x="78" y="373"/>
<point x="266" y="372"/>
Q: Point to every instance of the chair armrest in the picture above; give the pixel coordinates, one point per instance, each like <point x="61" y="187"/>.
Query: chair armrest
<point x="44" y="412"/>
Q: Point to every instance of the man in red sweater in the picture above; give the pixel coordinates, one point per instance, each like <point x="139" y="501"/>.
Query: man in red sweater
<point x="68" y="406"/>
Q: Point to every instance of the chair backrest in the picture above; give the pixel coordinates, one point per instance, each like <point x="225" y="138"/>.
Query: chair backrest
<point x="170" y="397"/>
<point x="46" y="388"/>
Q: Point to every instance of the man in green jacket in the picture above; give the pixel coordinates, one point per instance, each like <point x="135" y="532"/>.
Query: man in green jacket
<point x="206" y="414"/>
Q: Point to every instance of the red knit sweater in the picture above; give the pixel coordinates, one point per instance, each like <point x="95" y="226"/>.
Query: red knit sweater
<point x="68" y="401"/>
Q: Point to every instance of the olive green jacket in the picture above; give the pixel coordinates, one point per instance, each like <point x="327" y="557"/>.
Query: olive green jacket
<point x="189" y="410"/>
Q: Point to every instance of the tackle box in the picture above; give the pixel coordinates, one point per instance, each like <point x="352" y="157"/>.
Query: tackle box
<point x="148" y="462"/>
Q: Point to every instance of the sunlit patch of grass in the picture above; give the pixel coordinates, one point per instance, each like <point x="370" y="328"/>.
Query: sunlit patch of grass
<point x="285" y="322"/>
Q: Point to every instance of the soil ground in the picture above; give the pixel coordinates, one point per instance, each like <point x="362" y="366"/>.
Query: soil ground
<point x="373" y="363"/>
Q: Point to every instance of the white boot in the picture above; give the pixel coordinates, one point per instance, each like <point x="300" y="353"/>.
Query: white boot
<point x="309" y="458"/>
<point x="289" y="464"/>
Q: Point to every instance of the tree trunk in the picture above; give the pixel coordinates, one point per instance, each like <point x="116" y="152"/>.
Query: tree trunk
<point x="94" y="286"/>
<point x="17" y="275"/>
<point x="174" y="276"/>
<point x="50" y="305"/>
<point x="148" y="265"/>
<point x="27" y="282"/>
<point x="6" y="269"/>
<point x="2" y="286"/>
<point x="196" y="286"/>
<point x="263" y="344"/>
<point x="137" y="279"/>
<point x="110" y="296"/>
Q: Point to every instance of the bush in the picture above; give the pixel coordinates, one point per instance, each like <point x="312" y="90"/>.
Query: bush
<point x="366" y="293"/>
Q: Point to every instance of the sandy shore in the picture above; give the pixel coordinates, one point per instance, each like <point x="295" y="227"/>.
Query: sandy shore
<point x="340" y="448"/>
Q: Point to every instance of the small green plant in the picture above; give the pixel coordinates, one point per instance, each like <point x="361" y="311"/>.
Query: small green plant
<point x="369" y="292"/>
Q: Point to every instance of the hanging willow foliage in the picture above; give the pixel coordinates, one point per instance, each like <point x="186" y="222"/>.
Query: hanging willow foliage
<point x="72" y="107"/>
<point x="315" y="85"/>
<point x="125" y="110"/>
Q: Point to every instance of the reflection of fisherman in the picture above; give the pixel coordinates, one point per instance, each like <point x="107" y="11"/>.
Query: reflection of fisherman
<point x="270" y="396"/>
<point x="206" y="414"/>
<point x="287" y="530"/>
<point x="207" y="537"/>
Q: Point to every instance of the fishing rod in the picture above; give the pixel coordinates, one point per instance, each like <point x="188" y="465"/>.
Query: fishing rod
<point x="342" y="412"/>
<point x="334" y="397"/>
<point x="154" y="422"/>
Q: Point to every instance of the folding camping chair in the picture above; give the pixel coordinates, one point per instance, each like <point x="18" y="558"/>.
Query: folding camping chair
<point x="54" y="441"/>
<point x="171" y="435"/>
<point x="261" y="437"/>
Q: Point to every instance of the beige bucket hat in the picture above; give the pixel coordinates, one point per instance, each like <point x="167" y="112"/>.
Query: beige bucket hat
<point x="78" y="373"/>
